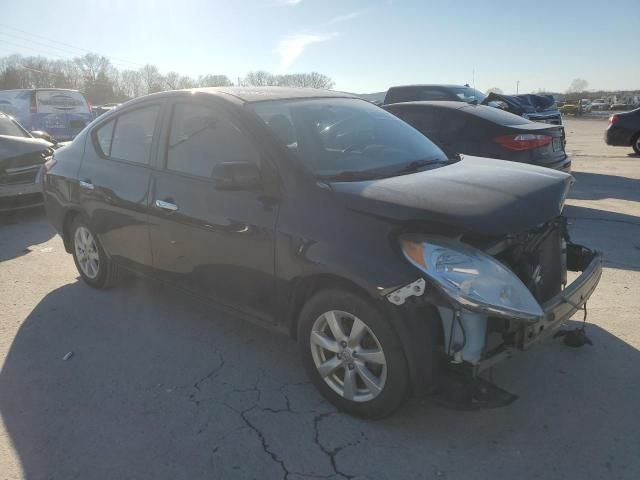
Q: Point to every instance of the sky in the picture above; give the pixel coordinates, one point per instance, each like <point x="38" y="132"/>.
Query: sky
<point x="364" y="46"/>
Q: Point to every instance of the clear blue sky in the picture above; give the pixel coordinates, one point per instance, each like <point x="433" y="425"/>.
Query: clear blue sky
<point x="365" y="46"/>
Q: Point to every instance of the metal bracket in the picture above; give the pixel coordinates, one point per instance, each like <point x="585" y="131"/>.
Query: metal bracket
<point x="398" y="297"/>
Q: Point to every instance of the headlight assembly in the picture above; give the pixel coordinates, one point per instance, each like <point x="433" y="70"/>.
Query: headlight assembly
<point x="472" y="279"/>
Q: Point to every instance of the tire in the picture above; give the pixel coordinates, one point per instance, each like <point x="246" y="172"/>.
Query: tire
<point x="94" y="266"/>
<point x="378" y="385"/>
<point x="635" y="143"/>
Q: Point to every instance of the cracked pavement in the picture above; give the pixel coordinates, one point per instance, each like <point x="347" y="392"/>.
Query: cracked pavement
<point x="161" y="386"/>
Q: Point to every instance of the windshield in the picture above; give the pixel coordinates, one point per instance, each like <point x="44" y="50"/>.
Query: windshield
<point x="10" y="128"/>
<point x="348" y="137"/>
<point x="468" y="94"/>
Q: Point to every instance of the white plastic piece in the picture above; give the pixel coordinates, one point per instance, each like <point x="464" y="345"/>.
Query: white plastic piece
<point x="398" y="297"/>
<point x="467" y="345"/>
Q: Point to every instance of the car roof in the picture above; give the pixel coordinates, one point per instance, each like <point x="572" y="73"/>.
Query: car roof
<point x="449" y="104"/>
<point x="261" y="94"/>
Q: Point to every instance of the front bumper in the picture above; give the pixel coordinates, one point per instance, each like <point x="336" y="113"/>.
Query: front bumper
<point x="561" y="308"/>
<point x="558" y="309"/>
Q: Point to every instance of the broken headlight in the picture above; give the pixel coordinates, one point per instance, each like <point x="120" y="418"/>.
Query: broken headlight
<point x="472" y="279"/>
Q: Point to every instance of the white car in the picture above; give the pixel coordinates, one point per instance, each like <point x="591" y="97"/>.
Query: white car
<point x="586" y="105"/>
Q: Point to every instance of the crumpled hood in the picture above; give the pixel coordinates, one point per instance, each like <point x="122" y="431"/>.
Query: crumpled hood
<point x="474" y="195"/>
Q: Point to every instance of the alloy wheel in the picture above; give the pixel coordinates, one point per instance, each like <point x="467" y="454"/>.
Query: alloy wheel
<point x="86" y="252"/>
<point x="348" y="356"/>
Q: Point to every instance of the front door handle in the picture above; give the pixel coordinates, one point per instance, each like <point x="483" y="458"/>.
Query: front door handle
<point x="168" y="206"/>
<point x="86" y="184"/>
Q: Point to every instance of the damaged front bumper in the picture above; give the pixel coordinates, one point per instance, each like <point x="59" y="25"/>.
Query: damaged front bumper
<point x="561" y="308"/>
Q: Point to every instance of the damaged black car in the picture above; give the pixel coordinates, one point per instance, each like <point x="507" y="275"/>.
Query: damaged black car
<point x="21" y="157"/>
<point x="399" y="269"/>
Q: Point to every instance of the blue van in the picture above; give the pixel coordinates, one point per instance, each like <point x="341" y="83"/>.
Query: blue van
<point x="60" y="112"/>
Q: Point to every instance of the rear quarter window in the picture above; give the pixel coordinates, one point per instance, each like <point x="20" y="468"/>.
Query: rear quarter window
<point x="103" y="134"/>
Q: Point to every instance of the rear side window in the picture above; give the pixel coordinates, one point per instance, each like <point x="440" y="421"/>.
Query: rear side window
<point x="202" y="137"/>
<point x="133" y="134"/>
<point x="414" y="94"/>
<point x="103" y="136"/>
<point x="425" y="119"/>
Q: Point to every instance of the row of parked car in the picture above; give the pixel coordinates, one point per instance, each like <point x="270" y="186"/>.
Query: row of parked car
<point x="398" y="264"/>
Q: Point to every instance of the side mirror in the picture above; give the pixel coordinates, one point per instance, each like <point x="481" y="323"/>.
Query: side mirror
<point x="43" y="135"/>
<point x="236" y="175"/>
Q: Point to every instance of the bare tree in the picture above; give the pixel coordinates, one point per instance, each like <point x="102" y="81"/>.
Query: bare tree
<point x="494" y="90"/>
<point x="172" y="80"/>
<point x="214" y="81"/>
<point x="578" y="85"/>
<point x="132" y="83"/>
<point x="187" y="82"/>
<point x="259" y="78"/>
<point x="151" y="78"/>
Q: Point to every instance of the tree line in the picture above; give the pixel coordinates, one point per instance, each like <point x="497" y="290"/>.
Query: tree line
<point x="101" y="82"/>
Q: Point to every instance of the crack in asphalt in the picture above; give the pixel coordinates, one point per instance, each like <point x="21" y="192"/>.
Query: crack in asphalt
<point x="330" y="453"/>
<point x="211" y="374"/>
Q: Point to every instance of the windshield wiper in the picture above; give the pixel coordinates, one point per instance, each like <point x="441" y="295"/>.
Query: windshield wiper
<point x="350" y="175"/>
<point x="418" y="164"/>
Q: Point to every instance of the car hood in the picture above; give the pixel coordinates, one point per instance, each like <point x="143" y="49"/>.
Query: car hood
<point x="475" y="195"/>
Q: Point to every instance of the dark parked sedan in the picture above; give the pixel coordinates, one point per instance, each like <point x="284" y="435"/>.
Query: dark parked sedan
<point x="624" y="130"/>
<point x="322" y="216"/>
<point x="487" y="132"/>
<point x="21" y="156"/>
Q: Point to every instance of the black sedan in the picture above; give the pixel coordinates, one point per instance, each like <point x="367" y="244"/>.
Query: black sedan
<point x="484" y="131"/>
<point x="21" y="156"/>
<point x="396" y="267"/>
<point x="624" y="130"/>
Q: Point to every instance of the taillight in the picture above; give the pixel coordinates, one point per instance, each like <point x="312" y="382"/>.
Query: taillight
<point x="522" y="142"/>
<point x="33" y="108"/>
<point x="613" y="119"/>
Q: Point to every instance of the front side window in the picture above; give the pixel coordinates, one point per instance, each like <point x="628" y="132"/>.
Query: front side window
<point x="202" y="137"/>
<point x="348" y="138"/>
<point x="133" y="135"/>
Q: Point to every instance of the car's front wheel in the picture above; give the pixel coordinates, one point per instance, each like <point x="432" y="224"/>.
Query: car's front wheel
<point x="95" y="268"/>
<point x="352" y="354"/>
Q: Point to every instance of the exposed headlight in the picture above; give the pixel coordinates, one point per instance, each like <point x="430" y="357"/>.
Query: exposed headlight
<point x="472" y="279"/>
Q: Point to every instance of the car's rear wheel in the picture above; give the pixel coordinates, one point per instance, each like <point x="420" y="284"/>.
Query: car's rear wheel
<point x="95" y="268"/>
<point x="636" y="143"/>
<point x="352" y="354"/>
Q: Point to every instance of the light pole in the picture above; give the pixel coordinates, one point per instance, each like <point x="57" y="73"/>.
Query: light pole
<point x="517" y="86"/>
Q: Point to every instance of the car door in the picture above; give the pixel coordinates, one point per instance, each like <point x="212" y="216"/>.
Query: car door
<point x="114" y="182"/>
<point x="214" y="241"/>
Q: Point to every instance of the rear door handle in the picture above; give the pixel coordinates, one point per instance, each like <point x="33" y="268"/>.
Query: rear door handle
<point x="168" y="206"/>
<point x="86" y="184"/>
